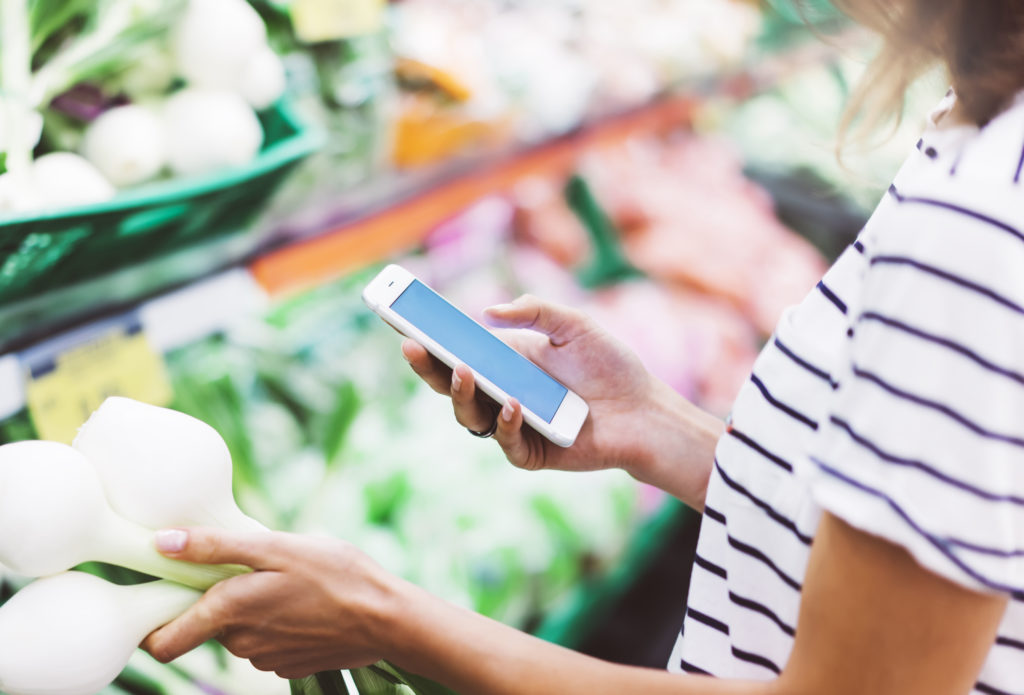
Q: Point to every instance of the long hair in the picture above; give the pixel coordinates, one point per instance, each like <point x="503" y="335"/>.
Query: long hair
<point x="980" y="43"/>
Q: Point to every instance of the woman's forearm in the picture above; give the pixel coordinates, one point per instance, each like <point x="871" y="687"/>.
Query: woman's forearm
<point x="474" y="655"/>
<point x="678" y="447"/>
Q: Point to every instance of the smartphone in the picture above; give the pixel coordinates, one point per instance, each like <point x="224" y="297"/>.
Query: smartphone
<point x="422" y="314"/>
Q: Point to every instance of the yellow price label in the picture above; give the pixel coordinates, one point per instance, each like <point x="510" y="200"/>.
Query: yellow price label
<point x="330" y="20"/>
<point x="62" y="390"/>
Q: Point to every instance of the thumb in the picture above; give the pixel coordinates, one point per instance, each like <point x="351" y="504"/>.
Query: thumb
<point x="560" y="323"/>
<point x="212" y="546"/>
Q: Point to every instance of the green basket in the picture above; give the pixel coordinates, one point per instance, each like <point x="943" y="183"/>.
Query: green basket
<point x="39" y="253"/>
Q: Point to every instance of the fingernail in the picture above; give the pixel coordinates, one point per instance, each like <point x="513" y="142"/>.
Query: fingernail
<point x="498" y="308"/>
<point x="456" y="380"/>
<point x="507" y="412"/>
<point x="171" y="540"/>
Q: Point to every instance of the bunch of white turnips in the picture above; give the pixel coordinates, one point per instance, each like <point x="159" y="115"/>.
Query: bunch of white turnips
<point x="220" y="49"/>
<point x="133" y="469"/>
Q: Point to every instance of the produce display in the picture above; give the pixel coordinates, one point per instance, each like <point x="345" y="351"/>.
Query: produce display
<point x="128" y="91"/>
<point x="109" y="98"/>
<point x="792" y="128"/>
<point x="478" y="74"/>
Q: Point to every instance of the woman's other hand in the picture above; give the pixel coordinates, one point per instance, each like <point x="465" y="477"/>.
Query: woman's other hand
<point x="636" y="422"/>
<point x="311" y="605"/>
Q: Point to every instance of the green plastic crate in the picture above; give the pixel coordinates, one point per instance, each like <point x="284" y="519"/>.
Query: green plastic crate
<point x="39" y="253"/>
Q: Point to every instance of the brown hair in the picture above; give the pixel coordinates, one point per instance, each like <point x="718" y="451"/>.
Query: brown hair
<point x="979" y="42"/>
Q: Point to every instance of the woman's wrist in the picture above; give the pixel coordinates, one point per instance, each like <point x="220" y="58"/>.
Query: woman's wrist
<point x="407" y="620"/>
<point x="678" y="447"/>
<point x="386" y="612"/>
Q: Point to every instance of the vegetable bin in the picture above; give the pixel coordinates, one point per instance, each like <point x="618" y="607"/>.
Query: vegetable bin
<point x="43" y="252"/>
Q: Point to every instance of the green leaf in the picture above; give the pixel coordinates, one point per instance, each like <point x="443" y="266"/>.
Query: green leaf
<point x="324" y="683"/>
<point x="340" y="421"/>
<point x="373" y="681"/>
<point x="384" y="498"/>
<point x="49" y="16"/>
<point x="304" y="686"/>
<point x="332" y="683"/>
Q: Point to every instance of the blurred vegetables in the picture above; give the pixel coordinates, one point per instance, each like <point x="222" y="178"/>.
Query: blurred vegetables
<point x="222" y="44"/>
<point x="55" y="180"/>
<point x="63" y="179"/>
<point x="262" y="81"/>
<point x="29" y="138"/>
<point x="54" y="516"/>
<point x="73" y="633"/>
<point x="209" y="129"/>
<point x="126" y="144"/>
<point x="116" y="31"/>
<point x="690" y="217"/>
<point x="214" y="40"/>
<point x="17" y="117"/>
<point x="91" y="77"/>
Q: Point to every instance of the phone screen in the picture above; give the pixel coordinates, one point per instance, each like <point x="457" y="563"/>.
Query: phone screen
<point x="479" y="350"/>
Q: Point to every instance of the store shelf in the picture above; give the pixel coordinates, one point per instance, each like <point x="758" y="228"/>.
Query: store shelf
<point x="378" y="231"/>
<point x="168" y="322"/>
<point x="373" y="237"/>
<point x="588" y="604"/>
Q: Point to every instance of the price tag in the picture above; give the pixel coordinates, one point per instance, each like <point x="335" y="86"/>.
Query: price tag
<point x="68" y="378"/>
<point x="330" y="20"/>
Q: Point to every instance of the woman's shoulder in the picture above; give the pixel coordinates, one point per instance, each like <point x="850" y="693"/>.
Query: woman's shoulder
<point x="969" y="155"/>
<point x="959" y="199"/>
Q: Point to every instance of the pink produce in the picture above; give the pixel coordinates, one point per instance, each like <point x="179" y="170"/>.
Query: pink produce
<point x="689" y="216"/>
<point x="700" y="346"/>
<point x="545" y="221"/>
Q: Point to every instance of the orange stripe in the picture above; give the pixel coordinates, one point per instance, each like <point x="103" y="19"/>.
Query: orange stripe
<point x="404" y="225"/>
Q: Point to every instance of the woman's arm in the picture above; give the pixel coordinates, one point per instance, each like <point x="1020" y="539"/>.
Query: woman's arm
<point x="636" y="422"/>
<point x="872" y="621"/>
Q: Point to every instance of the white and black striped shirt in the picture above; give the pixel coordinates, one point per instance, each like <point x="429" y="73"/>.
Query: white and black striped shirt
<point x="892" y="397"/>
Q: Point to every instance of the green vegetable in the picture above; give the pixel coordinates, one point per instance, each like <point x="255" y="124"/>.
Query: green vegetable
<point x="115" y="32"/>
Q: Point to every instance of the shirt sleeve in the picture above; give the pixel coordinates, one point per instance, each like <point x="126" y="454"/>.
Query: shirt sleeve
<point x="924" y="443"/>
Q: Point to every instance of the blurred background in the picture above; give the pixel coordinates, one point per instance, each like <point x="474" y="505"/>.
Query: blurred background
<point x="194" y="192"/>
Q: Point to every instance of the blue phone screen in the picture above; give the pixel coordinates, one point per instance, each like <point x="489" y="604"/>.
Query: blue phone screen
<point x="479" y="350"/>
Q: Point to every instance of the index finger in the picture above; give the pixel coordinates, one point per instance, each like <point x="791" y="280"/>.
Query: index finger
<point x="197" y="625"/>
<point x="437" y="375"/>
<point x="213" y="546"/>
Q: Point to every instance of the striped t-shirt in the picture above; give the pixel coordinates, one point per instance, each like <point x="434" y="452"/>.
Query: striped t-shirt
<point x="892" y="397"/>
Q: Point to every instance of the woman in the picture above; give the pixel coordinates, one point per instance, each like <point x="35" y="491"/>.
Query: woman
<point x="864" y="506"/>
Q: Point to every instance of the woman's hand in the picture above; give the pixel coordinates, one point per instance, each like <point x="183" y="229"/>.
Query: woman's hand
<point x="312" y="604"/>
<point x="872" y="621"/>
<point x="635" y="421"/>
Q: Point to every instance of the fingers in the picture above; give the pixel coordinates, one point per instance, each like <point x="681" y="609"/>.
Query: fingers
<point x="511" y="437"/>
<point x="212" y="546"/>
<point x="230" y="604"/>
<point x="469" y="410"/>
<point x="200" y="623"/>
<point x="427" y="367"/>
<point x="560" y="323"/>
